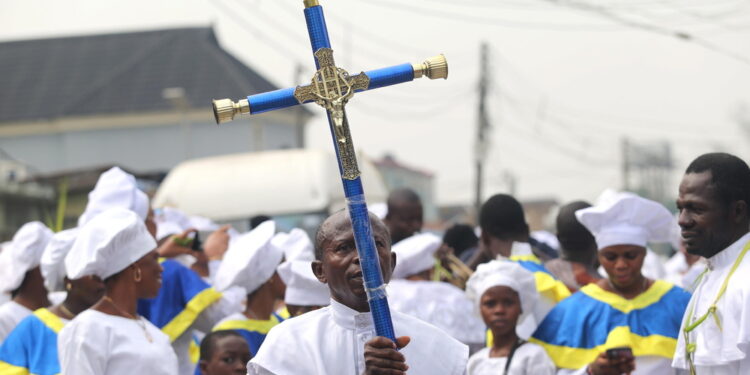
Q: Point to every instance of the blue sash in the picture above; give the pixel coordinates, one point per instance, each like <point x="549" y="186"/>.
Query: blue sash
<point x="593" y="320"/>
<point x="254" y="331"/>
<point x="182" y="297"/>
<point x="31" y="348"/>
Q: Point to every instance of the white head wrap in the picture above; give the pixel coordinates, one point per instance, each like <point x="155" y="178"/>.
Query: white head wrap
<point x="171" y="221"/>
<point x="415" y="254"/>
<point x="302" y="287"/>
<point x="23" y="254"/>
<point x="250" y="260"/>
<point x="53" y="259"/>
<point x="115" y="188"/>
<point x="504" y="273"/>
<point x="108" y="243"/>
<point x="627" y="219"/>
<point x="296" y="245"/>
<point x="379" y="209"/>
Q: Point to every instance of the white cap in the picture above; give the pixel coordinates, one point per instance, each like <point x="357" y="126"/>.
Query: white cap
<point x="415" y="254"/>
<point x="115" y="188"/>
<point x="250" y="260"/>
<point x="296" y="245"/>
<point x="379" y="209"/>
<point x="23" y="254"/>
<point x="302" y="287"/>
<point x="107" y="244"/>
<point x="627" y="219"/>
<point x="171" y="221"/>
<point x="53" y="259"/>
<point x="504" y="273"/>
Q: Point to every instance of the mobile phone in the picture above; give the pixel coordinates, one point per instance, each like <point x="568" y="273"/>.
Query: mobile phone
<point x="197" y="245"/>
<point x="620" y="352"/>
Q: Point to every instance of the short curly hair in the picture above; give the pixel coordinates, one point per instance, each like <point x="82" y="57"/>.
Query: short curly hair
<point x="502" y="216"/>
<point x="730" y="175"/>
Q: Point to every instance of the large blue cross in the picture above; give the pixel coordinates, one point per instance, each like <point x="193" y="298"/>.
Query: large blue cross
<point x="332" y="87"/>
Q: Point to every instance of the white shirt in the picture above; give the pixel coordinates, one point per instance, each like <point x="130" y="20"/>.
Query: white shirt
<point x="440" y="304"/>
<point x="529" y="359"/>
<point x="95" y="343"/>
<point x="11" y="313"/>
<point x="331" y="341"/>
<point x="722" y="350"/>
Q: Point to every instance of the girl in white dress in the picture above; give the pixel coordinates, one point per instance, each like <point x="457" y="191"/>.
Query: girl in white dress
<point x="110" y="338"/>
<point x="504" y="292"/>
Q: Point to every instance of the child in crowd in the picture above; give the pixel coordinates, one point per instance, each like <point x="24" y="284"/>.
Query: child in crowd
<point x="505" y="293"/>
<point x="224" y="353"/>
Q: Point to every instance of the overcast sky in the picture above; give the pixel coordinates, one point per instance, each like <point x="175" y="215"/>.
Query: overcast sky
<point x="568" y="81"/>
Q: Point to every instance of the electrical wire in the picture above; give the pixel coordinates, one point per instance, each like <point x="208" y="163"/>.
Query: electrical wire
<point x="678" y="34"/>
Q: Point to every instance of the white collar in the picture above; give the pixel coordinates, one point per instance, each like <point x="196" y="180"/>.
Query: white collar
<point x="349" y="318"/>
<point x="727" y="256"/>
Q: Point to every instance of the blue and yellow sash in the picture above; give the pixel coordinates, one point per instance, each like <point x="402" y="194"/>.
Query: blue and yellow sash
<point x="593" y="320"/>
<point x="254" y="331"/>
<point x="546" y="284"/>
<point x="182" y="297"/>
<point x="31" y="348"/>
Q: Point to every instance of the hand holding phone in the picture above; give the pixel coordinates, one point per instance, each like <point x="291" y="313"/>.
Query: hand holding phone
<point x="614" y="354"/>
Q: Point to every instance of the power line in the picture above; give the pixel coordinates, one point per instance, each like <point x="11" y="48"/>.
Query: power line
<point x="491" y="21"/>
<point x="678" y="34"/>
<point x="259" y="35"/>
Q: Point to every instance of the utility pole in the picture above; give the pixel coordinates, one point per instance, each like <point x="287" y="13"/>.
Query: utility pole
<point x="625" y="148"/>
<point x="483" y="123"/>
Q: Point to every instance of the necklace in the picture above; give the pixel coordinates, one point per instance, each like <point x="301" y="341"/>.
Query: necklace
<point x="66" y="311"/>
<point x="644" y="286"/>
<point x="130" y="316"/>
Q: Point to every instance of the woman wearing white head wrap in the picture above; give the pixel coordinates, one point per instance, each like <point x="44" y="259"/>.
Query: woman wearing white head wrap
<point x="32" y="347"/>
<point x="250" y="263"/>
<point x="304" y="292"/>
<point x="504" y="294"/>
<point x="624" y="310"/>
<point x="20" y="275"/>
<point x="110" y="338"/>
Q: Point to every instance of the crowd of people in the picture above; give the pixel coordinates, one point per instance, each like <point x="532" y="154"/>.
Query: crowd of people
<point x="133" y="289"/>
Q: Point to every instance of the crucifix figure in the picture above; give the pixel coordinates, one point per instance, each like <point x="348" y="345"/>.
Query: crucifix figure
<point x="331" y="88"/>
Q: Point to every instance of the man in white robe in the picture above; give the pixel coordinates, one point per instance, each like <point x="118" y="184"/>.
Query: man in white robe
<point x="713" y="202"/>
<point x="340" y="338"/>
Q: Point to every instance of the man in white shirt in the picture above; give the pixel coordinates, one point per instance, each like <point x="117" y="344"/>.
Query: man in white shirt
<point x="713" y="203"/>
<point x="340" y="338"/>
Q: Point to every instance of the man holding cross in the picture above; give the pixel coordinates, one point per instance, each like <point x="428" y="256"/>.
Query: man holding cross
<point x="340" y="338"/>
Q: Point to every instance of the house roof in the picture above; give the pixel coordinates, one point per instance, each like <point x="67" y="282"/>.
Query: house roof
<point x="118" y="73"/>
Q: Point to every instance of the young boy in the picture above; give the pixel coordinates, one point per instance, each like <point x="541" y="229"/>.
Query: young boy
<point x="505" y="293"/>
<point x="224" y="353"/>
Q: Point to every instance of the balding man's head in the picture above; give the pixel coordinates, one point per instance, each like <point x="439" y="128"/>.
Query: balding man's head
<point x="337" y="261"/>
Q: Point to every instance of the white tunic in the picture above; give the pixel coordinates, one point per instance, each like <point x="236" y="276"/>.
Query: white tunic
<point x="722" y="350"/>
<point x="95" y="343"/>
<point x="331" y="340"/>
<point x="529" y="359"/>
<point x="440" y="304"/>
<point x="11" y="313"/>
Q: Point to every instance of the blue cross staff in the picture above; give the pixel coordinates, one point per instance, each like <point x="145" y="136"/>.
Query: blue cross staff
<point x="331" y="88"/>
